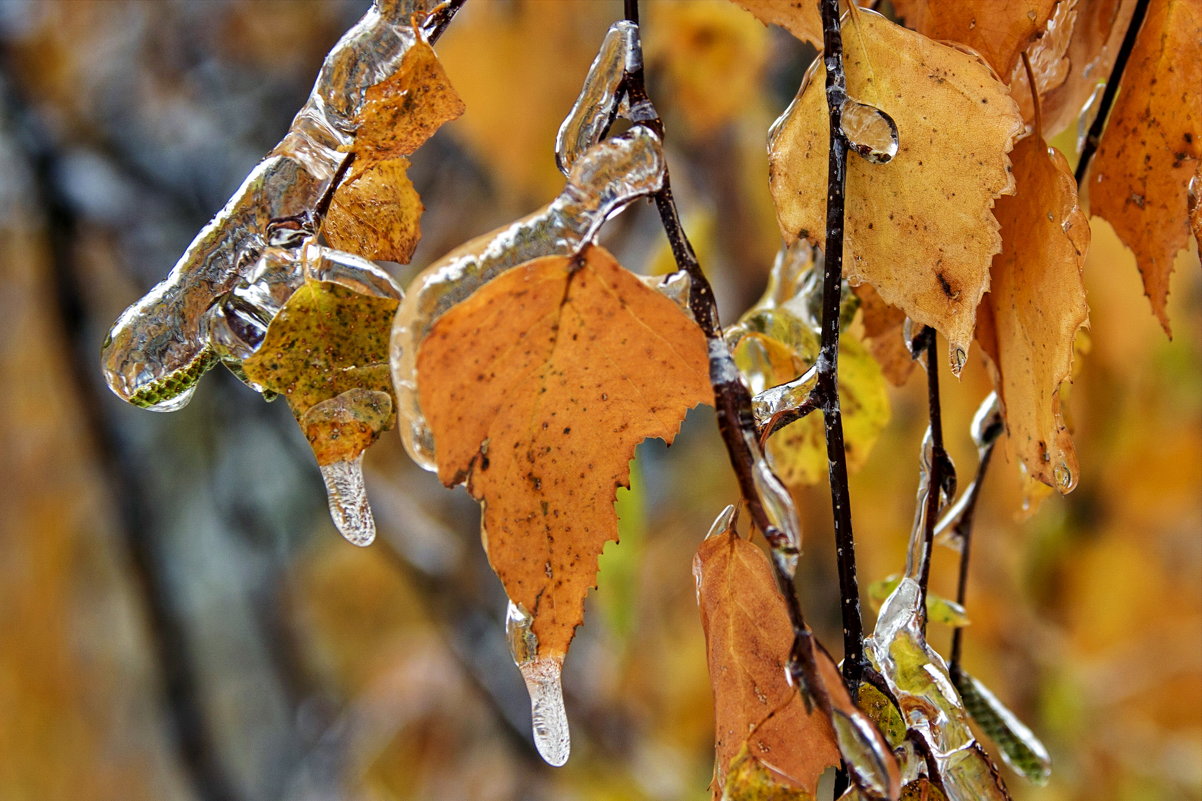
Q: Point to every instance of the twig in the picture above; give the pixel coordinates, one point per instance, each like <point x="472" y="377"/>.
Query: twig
<point x="436" y="24"/>
<point x="732" y="402"/>
<point x="1112" y="88"/>
<point x="828" y="357"/>
<point x="939" y="475"/>
<point x="1037" y="112"/>
<point x="788" y="417"/>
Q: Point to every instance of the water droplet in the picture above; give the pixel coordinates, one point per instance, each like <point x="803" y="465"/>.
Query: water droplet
<point x="348" y="500"/>
<point x="550" y="721"/>
<point x="175" y="403"/>
<point x="1065" y="480"/>
<point x="871" y="132"/>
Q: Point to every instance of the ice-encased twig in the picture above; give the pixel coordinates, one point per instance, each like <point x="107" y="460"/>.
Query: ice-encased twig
<point x="603" y="181"/>
<point x="157" y="349"/>
<point x="919" y="678"/>
<point x="599" y="99"/>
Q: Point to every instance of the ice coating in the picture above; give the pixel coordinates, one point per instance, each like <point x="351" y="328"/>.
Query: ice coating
<point x="919" y="679"/>
<point x="987" y="426"/>
<point x="602" y="182"/>
<point x="236" y="324"/>
<point x="778" y="506"/>
<point x="598" y="103"/>
<point x="157" y="348"/>
<point x="859" y="745"/>
<point x="348" y="500"/>
<point x="542" y="676"/>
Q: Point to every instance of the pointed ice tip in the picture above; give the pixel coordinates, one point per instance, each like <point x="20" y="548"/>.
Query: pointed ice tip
<point x="348" y="501"/>
<point x="550" y="721"/>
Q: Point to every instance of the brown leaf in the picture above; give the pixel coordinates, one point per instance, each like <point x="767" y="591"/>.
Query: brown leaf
<point x="798" y="17"/>
<point x="376" y="212"/>
<point x="1145" y="158"/>
<point x="918" y="228"/>
<point x="999" y="31"/>
<point x="883" y="331"/>
<point x="326" y="352"/>
<point x="1036" y="305"/>
<point x="1050" y="65"/>
<point x="537" y="388"/>
<point x="748" y="637"/>
<point x="403" y="111"/>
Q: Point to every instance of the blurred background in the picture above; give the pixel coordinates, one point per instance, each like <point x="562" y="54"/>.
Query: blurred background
<point x="179" y="618"/>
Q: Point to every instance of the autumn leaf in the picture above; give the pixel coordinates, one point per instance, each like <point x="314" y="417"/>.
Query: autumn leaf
<point x="1096" y="35"/>
<point x="1050" y="66"/>
<point x="1035" y="306"/>
<point x="1195" y="205"/>
<point x="798" y="17"/>
<point x="748" y="637"/>
<point x="375" y="211"/>
<point x="766" y="742"/>
<point x="883" y="330"/>
<point x="919" y="228"/>
<point x="1138" y="179"/>
<point x="998" y="31"/>
<point x="537" y="388"/>
<point x="326" y="352"/>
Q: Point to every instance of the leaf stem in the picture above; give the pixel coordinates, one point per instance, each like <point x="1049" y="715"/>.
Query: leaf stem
<point x="732" y="402"/>
<point x="1112" y="88"/>
<point x="828" y="357"/>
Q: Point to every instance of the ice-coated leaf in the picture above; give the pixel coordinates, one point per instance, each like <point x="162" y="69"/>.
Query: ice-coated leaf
<point x="158" y="348"/>
<point x="376" y="212"/>
<point x="1096" y="35"/>
<point x="326" y="352"/>
<point x="537" y="389"/>
<point x="1034" y="308"/>
<point x="401" y="112"/>
<point x="919" y="229"/>
<point x="1050" y="64"/>
<point x="798" y="17"/>
<point x="999" y="31"/>
<point x="939" y="609"/>
<point x="766" y="742"/>
<point x="1020" y="748"/>
<point x="1138" y="180"/>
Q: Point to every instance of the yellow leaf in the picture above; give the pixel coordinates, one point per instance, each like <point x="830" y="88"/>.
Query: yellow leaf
<point x="998" y="31"/>
<point x="798" y="17"/>
<point x="326" y="352"/>
<point x="918" y="228"/>
<point x="537" y="388"/>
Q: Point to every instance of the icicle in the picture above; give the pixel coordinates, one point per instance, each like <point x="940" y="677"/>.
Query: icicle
<point x="597" y="104"/>
<point x="723" y="522"/>
<point x="871" y="132"/>
<point x="1089" y="112"/>
<point x="783" y="397"/>
<point x="542" y="676"/>
<point x="160" y="339"/>
<point x="603" y="181"/>
<point x="986" y="427"/>
<point x="348" y="500"/>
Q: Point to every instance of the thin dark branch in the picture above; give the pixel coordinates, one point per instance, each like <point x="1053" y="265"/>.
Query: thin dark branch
<point x="1112" y="89"/>
<point x="732" y="402"/>
<point x="938" y="476"/>
<point x="436" y="24"/>
<point x="964" y="530"/>
<point x="828" y="358"/>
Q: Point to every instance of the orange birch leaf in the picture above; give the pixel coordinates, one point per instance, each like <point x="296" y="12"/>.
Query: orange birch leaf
<point x="767" y="746"/>
<point x="537" y="388"/>
<point x="1036" y="305"/>
<point x="919" y="228"/>
<point x="1195" y="205"/>
<point x="1139" y="177"/>
<point x="1050" y="65"/>
<point x="999" y="31"/>
<point x="798" y="17"/>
